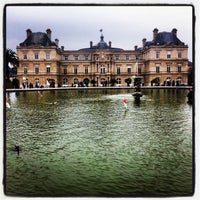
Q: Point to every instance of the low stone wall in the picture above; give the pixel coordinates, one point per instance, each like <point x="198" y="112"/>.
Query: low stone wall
<point x="95" y="88"/>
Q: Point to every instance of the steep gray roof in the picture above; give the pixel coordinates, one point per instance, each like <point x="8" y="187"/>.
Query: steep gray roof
<point x="37" y="39"/>
<point x="165" y="38"/>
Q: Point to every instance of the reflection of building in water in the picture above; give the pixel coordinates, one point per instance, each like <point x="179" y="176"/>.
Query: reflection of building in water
<point x="161" y="61"/>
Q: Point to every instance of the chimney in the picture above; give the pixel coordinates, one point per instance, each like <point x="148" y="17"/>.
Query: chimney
<point x="28" y="32"/>
<point x="110" y="44"/>
<point x="91" y="44"/>
<point x="174" y="31"/>
<point x="144" y="41"/>
<point x="57" y="42"/>
<point x="135" y="47"/>
<point x="48" y="33"/>
<point x="155" y="33"/>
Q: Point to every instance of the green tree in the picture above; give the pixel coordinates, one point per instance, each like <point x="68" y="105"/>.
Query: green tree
<point x="93" y="82"/>
<point x="11" y="59"/>
<point x="113" y="81"/>
<point x="128" y="81"/>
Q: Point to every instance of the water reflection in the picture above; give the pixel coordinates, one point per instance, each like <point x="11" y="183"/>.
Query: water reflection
<point x="137" y="101"/>
<point x="87" y="144"/>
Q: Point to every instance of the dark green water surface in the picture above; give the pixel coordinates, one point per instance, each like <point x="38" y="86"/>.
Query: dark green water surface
<point x="84" y="143"/>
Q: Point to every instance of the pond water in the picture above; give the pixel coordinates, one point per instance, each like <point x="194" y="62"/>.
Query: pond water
<point x="85" y="143"/>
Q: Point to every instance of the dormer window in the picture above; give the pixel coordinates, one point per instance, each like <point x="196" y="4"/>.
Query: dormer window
<point x="86" y="57"/>
<point x="75" y="57"/>
<point x="47" y="55"/>
<point x="168" y="54"/>
<point x="25" y="56"/>
<point x="137" y="57"/>
<point x="36" y="56"/>
<point x="117" y="57"/>
<point x="157" y="54"/>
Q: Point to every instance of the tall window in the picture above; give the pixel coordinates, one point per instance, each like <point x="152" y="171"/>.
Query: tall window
<point x="157" y="54"/>
<point x="47" y="55"/>
<point x="168" y="68"/>
<point x="25" y="69"/>
<point x="36" y="56"/>
<point x="103" y="70"/>
<point x="118" y="70"/>
<point x="66" y="57"/>
<point x="127" y="57"/>
<point x="86" y="70"/>
<point x="179" y="54"/>
<point x="139" y="69"/>
<point x="75" y="70"/>
<point x="36" y="69"/>
<point x="179" y="67"/>
<point x="168" y="54"/>
<point x="64" y="70"/>
<point x="157" y="68"/>
<point x="129" y="69"/>
<point x="48" y="69"/>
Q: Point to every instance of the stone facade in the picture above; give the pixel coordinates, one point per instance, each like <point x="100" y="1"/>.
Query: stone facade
<point x="162" y="61"/>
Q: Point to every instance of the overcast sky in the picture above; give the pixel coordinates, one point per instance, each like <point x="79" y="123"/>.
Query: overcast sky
<point x="76" y="26"/>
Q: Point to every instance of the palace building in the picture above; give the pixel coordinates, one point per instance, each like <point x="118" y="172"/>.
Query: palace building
<point x="160" y="61"/>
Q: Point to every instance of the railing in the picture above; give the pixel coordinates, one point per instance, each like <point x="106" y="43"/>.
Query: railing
<point x="35" y="74"/>
<point x="99" y="73"/>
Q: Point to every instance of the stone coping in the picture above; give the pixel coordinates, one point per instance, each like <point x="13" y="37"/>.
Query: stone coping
<point x="94" y="88"/>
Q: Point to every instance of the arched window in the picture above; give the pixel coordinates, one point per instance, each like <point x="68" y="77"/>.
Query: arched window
<point x="119" y="81"/>
<point x="75" y="81"/>
<point x="65" y="81"/>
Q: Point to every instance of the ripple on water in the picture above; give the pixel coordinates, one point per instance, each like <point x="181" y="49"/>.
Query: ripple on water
<point x="87" y="144"/>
